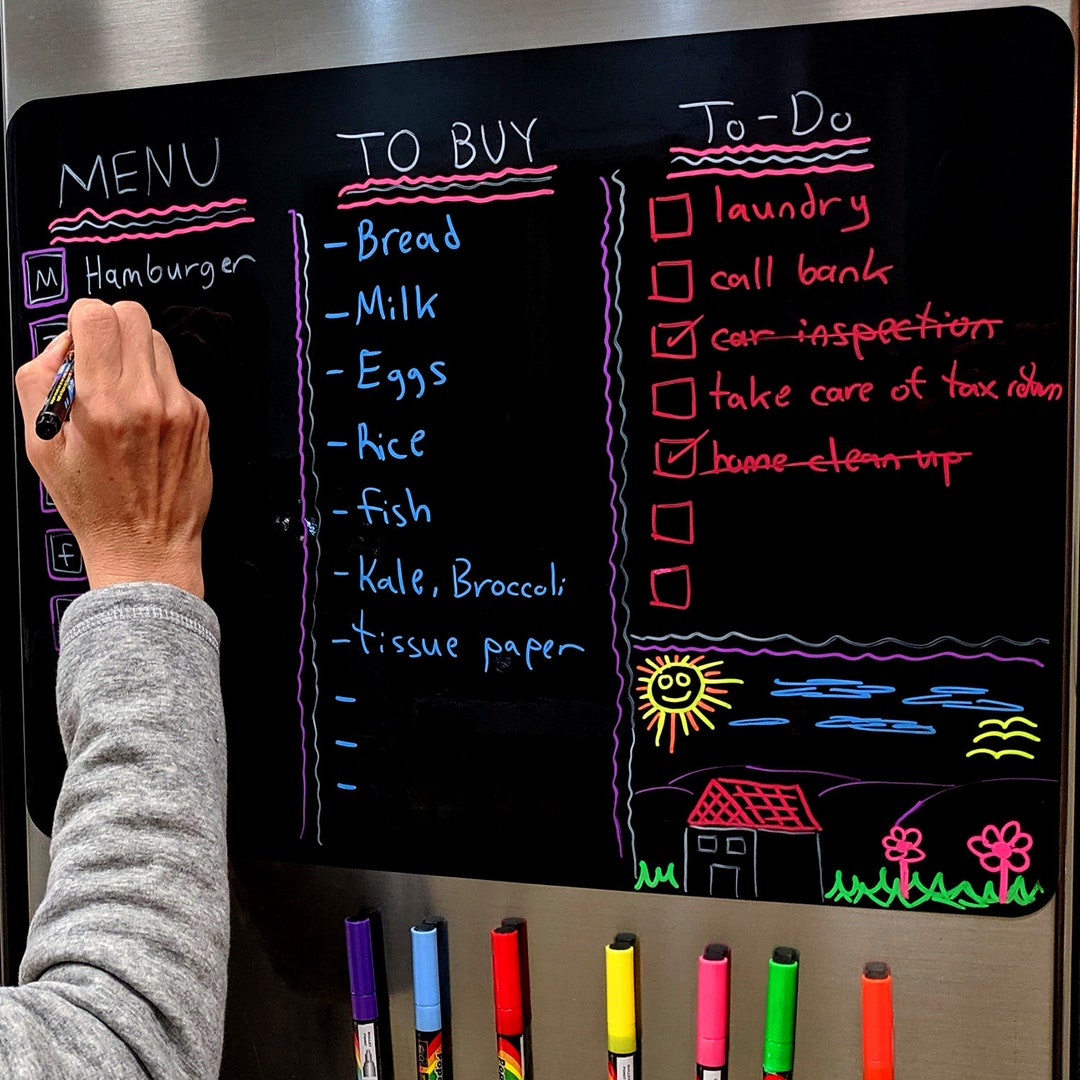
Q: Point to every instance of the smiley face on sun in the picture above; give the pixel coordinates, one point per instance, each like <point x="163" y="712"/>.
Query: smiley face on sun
<point x="679" y="688"/>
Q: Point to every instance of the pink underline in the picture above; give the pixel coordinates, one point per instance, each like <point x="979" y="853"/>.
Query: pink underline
<point x="445" y="198"/>
<point x="375" y="181"/>
<point x="88" y="212"/>
<point x="150" y="236"/>
<point x="828" y="144"/>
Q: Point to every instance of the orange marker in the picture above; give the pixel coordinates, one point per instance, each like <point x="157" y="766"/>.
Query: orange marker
<point x="877" y="1022"/>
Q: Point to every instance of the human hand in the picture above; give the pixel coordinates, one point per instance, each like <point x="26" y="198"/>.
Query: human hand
<point x="130" y="470"/>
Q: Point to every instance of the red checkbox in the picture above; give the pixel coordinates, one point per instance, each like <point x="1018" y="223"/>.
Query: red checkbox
<point x="675" y="340"/>
<point x="675" y="399"/>
<point x="670" y="587"/>
<point x="673" y="523"/>
<point x="673" y="281"/>
<point x="670" y="217"/>
<point x="677" y="458"/>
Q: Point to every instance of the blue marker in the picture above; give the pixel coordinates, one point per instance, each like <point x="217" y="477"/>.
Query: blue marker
<point x="427" y="1002"/>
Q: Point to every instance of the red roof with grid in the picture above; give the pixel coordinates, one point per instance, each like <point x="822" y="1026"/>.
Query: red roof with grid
<point x="747" y="804"/>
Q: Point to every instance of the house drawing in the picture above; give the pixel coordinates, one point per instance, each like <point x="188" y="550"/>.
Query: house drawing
<point x="748" y="840"/>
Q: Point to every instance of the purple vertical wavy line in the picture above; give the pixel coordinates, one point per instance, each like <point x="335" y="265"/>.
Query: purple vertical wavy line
<point x="303" y="522"/>
<point x="604" y="256"/>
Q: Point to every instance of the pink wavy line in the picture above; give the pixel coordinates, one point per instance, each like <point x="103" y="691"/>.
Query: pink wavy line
<point x="769" y="172"/>
<point x="827" y="144"/>
<point x="445" y="198"/>
<point x="150" y="236"/>
<point x="619" y="714"/>
<point x="453" y="177"/>
<point x="88" y="212"/>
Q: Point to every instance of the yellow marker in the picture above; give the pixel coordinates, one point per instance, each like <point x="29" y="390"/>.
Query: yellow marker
<point x="621" y="1008"/>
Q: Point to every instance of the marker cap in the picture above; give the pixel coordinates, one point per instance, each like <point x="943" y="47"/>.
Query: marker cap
<point x="427" y="1003"/>
<point x="714" y="995"/>
<point x="515" y="922"/>
<point x="877" y="1018"/>
<point x="506" y="981"/>
<point x="621" y="1006"/>
<point x="365" y="1004"/>
<point x="780" y="1001"/>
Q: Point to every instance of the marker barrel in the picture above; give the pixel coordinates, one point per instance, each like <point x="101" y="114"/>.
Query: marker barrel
<point x="429" y="1055"/>
<point x="366" y="1049"/>
<point x="512" y="1057"/>
<point x="706" y="1073"/>
<point x="621" y="1066"/>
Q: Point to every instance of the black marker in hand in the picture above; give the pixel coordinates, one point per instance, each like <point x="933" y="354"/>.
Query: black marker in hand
<point x="58" y="401"/>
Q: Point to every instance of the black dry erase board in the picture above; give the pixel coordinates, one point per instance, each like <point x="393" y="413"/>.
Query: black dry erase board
<point x="640" y="465"/>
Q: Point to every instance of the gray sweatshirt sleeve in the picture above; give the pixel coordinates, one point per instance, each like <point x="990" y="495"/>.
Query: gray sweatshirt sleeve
<point x="124" y="973"/>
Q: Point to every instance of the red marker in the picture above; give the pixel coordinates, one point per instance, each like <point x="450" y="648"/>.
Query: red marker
<point x="509" y="1011"/>
<point x="713" y="1008"/>
<point x="877" y="1022"/>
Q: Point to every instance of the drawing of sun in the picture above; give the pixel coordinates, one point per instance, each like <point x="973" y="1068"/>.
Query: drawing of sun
<point x="679" y="688"/>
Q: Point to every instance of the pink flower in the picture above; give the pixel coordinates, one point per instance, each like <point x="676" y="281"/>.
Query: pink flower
<point x="1002" y="850"/>
<point x="902" y="845"/>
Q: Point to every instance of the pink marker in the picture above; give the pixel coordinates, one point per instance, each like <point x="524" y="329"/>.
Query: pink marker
<point x="713" y="1006"/>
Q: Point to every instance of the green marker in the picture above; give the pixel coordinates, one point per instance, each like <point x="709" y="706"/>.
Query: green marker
<point x="778" y="1056"/>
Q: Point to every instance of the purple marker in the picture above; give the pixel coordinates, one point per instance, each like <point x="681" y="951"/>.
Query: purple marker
<point x="365" y="1002"/>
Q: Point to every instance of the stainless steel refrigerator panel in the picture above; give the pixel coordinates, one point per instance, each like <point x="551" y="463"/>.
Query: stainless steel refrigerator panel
<point x="974" y="996"/>
<point x="55" y="47"/>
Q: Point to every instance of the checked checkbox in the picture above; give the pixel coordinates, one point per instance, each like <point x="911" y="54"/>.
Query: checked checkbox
<point x="677" y="458"/>
<point x="675" y="340"/>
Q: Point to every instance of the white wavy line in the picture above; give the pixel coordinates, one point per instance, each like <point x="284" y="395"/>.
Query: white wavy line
<point x="150" y="223"/>
<point x="315" y="536"/>
<point x="662" y="638"/>
<point x="757" y="159"/>
<point x="455" y="186"/>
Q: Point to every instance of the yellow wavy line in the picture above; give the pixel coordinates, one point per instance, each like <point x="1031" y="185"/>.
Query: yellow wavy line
<point x="1011" y="720"/>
